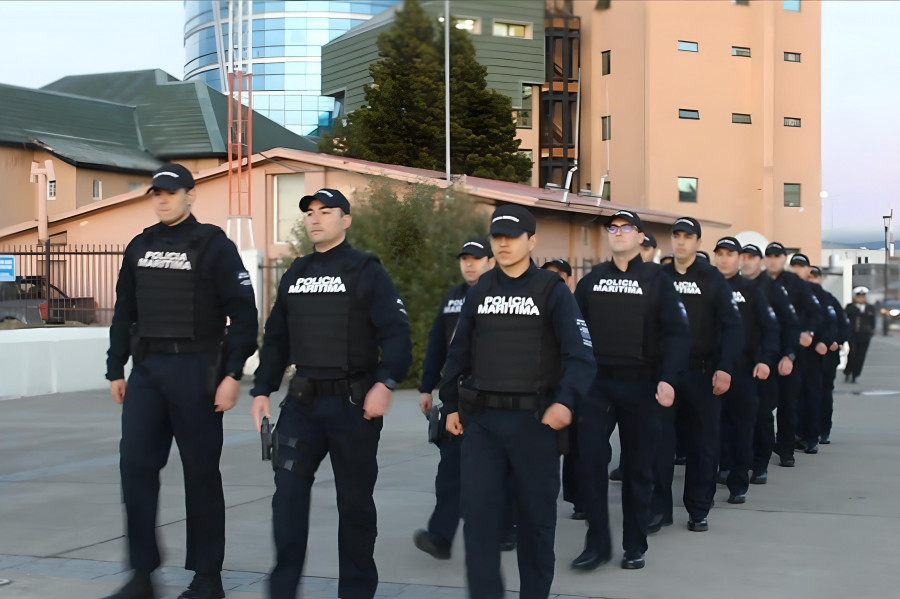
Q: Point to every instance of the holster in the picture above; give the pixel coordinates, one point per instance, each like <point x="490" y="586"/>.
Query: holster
<point x="470" y="401"/>
<point x="138" y="348"/>
<point x="301" y="389"/>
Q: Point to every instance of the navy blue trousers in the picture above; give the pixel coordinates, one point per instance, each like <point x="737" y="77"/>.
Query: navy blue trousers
<point x="497" y="443"/>
<point x="168" y="396"/>
<point x="633" y="405"/>
<point x="764" y="430"/>
<point x="832" y="361"/>
<point x="739" y="412"/>
<point x="810" y="406"/>
<point x="332" y="426"/>
<point x="786" y="416"/>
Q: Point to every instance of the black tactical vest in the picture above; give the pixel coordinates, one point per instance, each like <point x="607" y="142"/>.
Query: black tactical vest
<point x="743" y="290"/>
<point x="617" y="312"/>
<point x="450" y="310"/>
<point x="514" y="348"/>
<point x="696" y="295"/>
<point x="174" y="299"/>
<point x="329" y="321"/>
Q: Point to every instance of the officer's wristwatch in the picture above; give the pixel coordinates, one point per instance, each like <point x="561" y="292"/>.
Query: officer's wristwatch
<point x="235" y="375"/>
<point x="389" y="383"/>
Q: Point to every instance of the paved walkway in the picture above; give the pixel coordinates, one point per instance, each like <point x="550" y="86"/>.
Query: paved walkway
<point x="829" y="528"/>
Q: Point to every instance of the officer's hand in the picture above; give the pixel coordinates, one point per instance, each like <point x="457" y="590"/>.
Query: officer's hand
<point x="378" y="401"/>
<point x="227" y="394"/>
<point x="785" y="366"/>
<point x="721" y="382"/>
<point x="425" y="402"/>
<point x="834" y="346"/>
<point x="117" y="390"/>
<point x="761" y="371"/>
<point x="259" y="408"/>
<point x="453" y="425"/>
<point x="806" y="339"/>
<point x="557" y="417"/>
<point x="821" y="348"/>
<point x="665" y="394"/>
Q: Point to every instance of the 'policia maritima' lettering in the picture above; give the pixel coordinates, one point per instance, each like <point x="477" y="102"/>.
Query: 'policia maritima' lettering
<point x="513" y="305"/>
<point x="169" y="260"/>
<point x="318" y="285"/>
<point x="626" y="286"/>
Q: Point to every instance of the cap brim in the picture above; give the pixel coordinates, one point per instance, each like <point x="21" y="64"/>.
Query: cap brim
<point x="167" y="184"/>
<point x="684" y="227"/>
<point x="474" y="254"/>
<point x="507" y="230"/>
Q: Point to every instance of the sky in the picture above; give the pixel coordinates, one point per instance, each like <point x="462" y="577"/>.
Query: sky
<point x="860" y="84"/>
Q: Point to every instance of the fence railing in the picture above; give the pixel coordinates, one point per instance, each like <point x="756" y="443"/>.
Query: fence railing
<point x="77" y="283"/>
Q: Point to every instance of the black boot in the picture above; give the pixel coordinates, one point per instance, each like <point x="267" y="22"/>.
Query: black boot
<point x="204" y="586"/>
<point x="139" y="586"/>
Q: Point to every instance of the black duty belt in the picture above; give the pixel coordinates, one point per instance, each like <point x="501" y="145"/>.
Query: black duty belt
<point x="328" y="387"/>
<point x="628" y="374"/>
<point x="510" y="402"/>
<point x="183" y="346"/>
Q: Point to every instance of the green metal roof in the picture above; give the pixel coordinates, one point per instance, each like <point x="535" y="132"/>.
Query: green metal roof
<point x="129" y="121"/>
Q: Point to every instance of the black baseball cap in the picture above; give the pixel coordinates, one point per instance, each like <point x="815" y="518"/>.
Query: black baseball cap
<point x="729" y="243"/>
<point x="752" y="249"/>
<point x="775" y="249"/>
<point x="560" y="264"/>
<point x="330" y="197"/>
<point x="649" y="240"/>
<point x="688" y="225"/>
<point x="512" y="220"/>
<point x="702" y="254"/>
<point x="815" y="271"/>
<point x="629" y="216"/>
<point x="478" y="247"/>
<point x="171" y="177"/>
<point x="800" y="260"/>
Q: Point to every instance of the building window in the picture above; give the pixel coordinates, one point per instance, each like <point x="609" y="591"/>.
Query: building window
<point x="604" y="61"/>
<point x="737" y="117"/>
<point x="51" y="190"/>
<point x="740" y="51"/>
<point x="604" y="122"/>
<point x="741" y="2"/>
<point x="792" y="57"/>
<point x="793" y="5"/>
<point x="687" y="189"/>
<point x="790" y="121"/>
<point x="522" y="117"/>
<point x="287" y="211"/>
<point x="684" y="113"/>
<point x="132" y="185"/>
<point x="792" y="195"/>
<point x="585" y="236"/>
<point x="602" y="4"/>
<point x="520" y="30"/>
<point x="529" y="154"/>
<point x="606" y="194"/>
<point x="688" y="46"/>
<point x="97" y="189"/>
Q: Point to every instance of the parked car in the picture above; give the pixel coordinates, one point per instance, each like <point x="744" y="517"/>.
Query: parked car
<point x="24" y="300"/>
<point x="891" y="310"/>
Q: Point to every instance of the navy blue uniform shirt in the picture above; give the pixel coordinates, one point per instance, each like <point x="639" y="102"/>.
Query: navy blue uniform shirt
<point x="222" y="263"/>
<point x="827" y="331"/>
<point x="766" y="337"/>
<point x="805" y="304"/>
<point x="385" y="309"/>
<point x="577" y="358"/>
<point x="784" y="311"/>
<point x="438" y="341"/>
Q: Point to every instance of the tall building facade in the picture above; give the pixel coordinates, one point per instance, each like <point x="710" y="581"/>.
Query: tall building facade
<point x="708" y="108"/>
<point x="287" y="41"/>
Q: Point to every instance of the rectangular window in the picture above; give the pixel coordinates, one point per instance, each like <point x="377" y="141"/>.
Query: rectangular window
<point x="737" y="117"/>
<point x="97" y="189"/>
<point x="604" y="122"/>
<point x="790" y="121"/>
<point x="740" y="51"/>
<point x="741" y="2"/>
<point x="792" y="195"/>
<point x="529" y="154"/>
<point x="522" y="118"/>
<point x="793" y="5"/>
<point x="606" y="194"/>
<point x="688" y="46"/>
<point x="604" y="61"/>
<point x="687" y="189"/>
<point x="51" y="190"/>
<point x="520" y="30"/>
<point x="287" y="211"/>
<point x="132" y="185"/>
<point x="684" y="113"/>
<point x="792" y="57"/>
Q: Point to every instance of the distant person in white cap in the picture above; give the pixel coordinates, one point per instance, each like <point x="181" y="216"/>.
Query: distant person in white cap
<point x="862" y="327"/>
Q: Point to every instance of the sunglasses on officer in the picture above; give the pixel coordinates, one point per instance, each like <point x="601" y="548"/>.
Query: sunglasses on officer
<point x="623" y="228"/>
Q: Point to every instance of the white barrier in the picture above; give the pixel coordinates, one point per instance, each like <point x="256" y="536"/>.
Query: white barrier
<point x="52" y="360"/>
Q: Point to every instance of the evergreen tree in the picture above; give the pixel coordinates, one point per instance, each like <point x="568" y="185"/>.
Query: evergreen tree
<point x="402" y="121"/>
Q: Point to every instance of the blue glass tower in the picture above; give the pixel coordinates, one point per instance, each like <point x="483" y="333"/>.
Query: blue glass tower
<point x="287" y="46"/>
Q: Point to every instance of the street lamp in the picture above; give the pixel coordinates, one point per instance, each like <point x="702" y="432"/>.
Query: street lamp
<point x="885" y="320"/>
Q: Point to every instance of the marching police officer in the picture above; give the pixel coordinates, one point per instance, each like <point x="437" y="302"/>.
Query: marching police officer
<point x="809" y="314"/>
<point x="740" y="403"/>
<point x="648" y="247"/>
<point x="179" y="281"/>
<point x="641" y="341"/>
<point x="832" y="358"/>
<point x="764" y="430"/>
<point x="862" y="327"/>
<point x="812" y="361"/>
<point x="518" y="363"/>
<point x="560" y="267"/>
<point x="717" y="340"/>
<point x="475" y="258"/>
<point x="335" y="309"/>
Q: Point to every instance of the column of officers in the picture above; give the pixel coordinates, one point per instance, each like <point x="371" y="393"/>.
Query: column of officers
<point x="529" y="367"/>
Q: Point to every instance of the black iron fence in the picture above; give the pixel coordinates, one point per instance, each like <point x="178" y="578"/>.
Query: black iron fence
<point x="67" y="283"/>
